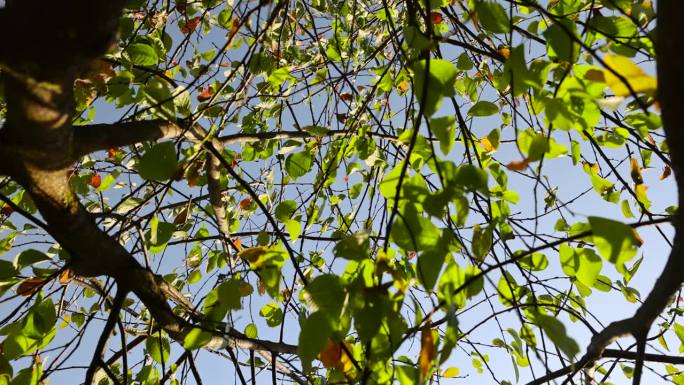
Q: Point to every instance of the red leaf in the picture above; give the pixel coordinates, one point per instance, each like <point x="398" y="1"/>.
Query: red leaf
<point x="95" y="180"/>
<point x="437" y="17"/>
<point x="112" y="152"/>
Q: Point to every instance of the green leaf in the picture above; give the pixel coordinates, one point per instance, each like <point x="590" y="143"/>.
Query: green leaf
<point x="433" y="85"/>
<point x="29" y="257"/>
<point x="141" y="54"/>
<point x="354" y="247"/>
<point x="472" y="178"/>
<point x="615" y="241"/>
<point x="158" y="348"/>
<point x="559" y="44"/>
<point x="280" y="76"/>
<point x="493" y="17"/>
<point x="251" y="331"/>
<point x="299" y="163"/>
<point x="158" y="163"/>
<point x="326" y="294"/>
<point x="535" y="262"/>
<point x="285" y="210"/>
<point x="313" y="337"/>
<point x="294" y="228"/>
<point x="483" y="108"/>
<point x="429" y="265"/>
<point x="196" y="339"/>
<point x="7" y="270"/>
<point x="482" y="241"/>
<point x="272" y="313"/>
<point x="444" y="131"/>
<point x="225" y="17"/>
<point x="582" y="264"/>
<point x="556" y="332"/>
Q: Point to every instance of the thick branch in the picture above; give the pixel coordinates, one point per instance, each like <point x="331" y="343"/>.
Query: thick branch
<point x="96" y="137"/>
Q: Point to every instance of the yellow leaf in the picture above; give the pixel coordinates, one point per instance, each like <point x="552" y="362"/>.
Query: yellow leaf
<point x="638" y="80"/>
<point x="451" y="372"/>
<point x="487" y="144"/>
<point x="640" y="191"/>
<point x="427" y="353"/>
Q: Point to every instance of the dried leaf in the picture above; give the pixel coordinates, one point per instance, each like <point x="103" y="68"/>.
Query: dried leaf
<point x="191" y="25"/>
<point x="667" y="171"/>
<point x="29" y="286"/>
<point x="245" y="203"/>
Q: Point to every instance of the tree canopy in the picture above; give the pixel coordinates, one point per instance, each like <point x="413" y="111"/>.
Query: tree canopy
<point x="341" y="192"/>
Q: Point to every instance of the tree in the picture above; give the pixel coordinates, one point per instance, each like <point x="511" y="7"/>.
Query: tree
<point x="339" y="192"/>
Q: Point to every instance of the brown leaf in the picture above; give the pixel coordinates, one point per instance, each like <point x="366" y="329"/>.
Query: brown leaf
<point x="182" y="217"/>
<point x="346" y="96"/>
<point x="518" y="165"/>
<point x="191" y="25"/>
<point x="112" y="152"/>
<point x="667" y="171"/>
<point x="29" y="286"/>
<point x="246" y="203"/>
<point x="7" y="210"/>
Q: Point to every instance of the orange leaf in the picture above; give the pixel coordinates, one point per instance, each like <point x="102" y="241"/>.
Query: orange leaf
<point x="505" y="52"/>
<point x="205" y="94"/>
<point x="190" y="25"/>
<point x="427" y="353"/>
<point x="518" y="165"/>
<point x="65" y="276"/>
<point x="403" y="86"/>
<point x="436" y="17"/>
<point x="331" y="355"/>
<point x="667" y="171"/>
<point x="112" y="152"/>
<point x="238" y="243"/>
<point x="95" y="180"/>
<point x="29" y="286"/>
